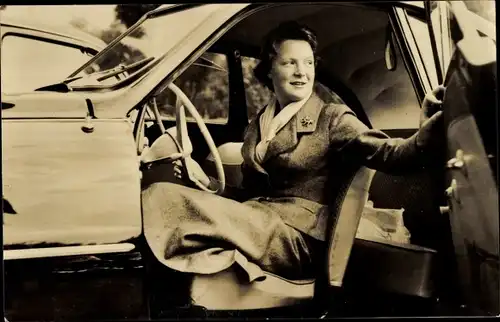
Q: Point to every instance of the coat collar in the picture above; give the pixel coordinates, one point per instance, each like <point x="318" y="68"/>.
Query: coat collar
<point x="305" y="121"/>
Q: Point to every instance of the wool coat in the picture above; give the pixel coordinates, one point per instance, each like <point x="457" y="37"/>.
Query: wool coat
<point x="283" y="221"/>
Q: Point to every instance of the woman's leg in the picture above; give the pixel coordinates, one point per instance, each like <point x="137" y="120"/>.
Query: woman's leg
<point x="193" y="231"/>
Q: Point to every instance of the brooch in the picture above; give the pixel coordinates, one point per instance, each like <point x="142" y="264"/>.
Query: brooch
<point x="306" y="121"/>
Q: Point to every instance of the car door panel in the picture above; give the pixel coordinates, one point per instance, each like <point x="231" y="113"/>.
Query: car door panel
<point x="69" y="187"/>
<point x="470" y="109"/>
<point x="472" y="193"/>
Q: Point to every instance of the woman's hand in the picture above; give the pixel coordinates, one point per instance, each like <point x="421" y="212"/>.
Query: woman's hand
<point x="431" y="117"/>
<point x="196" y="169"/>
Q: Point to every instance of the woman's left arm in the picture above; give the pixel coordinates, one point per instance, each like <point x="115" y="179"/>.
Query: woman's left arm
<point x="374" y="149"/>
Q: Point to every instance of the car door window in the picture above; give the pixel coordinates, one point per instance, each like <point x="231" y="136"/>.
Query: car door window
<point x="29" y="63"/>
<point x="257" y="95"/>
<point x="206" y="84"/>
<point x="420" y="32"/>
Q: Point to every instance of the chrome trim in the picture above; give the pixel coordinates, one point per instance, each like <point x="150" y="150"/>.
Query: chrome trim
<point x="66" y="251"/>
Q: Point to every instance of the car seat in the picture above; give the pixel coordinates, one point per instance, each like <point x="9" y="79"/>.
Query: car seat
<point x="227" y="291"/>
<point x="404" y="270"/>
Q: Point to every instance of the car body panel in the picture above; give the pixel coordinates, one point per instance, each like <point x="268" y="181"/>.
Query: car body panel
<point x="473" y="201"/>
<point x="43" y="105"/>
<point x="470" y="108"/>
<point x="67" y="186"/>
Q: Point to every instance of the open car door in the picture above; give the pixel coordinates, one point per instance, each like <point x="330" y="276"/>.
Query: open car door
<point x="71" y="184"/>
<point x="467" y="55"/>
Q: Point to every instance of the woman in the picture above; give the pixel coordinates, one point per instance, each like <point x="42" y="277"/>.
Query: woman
<point x="296" y="148"/>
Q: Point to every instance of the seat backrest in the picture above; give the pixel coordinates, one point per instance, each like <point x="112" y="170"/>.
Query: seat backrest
<point x="231" y="157"/>
<point x="343" y="224"/>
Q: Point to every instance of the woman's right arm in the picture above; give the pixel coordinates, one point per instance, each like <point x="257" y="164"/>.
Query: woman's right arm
<point x="374" y="149"/>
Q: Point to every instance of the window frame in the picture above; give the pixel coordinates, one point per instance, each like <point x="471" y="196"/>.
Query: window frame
<point x="410" y="52"/>
<point x="422" y="82"/>
<point x="41" y="36"/>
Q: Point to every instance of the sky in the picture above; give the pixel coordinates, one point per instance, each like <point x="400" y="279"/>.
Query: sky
<point x="98" y="17"/>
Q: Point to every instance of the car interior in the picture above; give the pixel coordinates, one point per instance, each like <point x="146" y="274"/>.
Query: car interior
<point x="353" y="41"/>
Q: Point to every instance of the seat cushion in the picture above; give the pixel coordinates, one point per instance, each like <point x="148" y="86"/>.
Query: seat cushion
<point x="390" y="267"/>
<point x="227" y="290"/>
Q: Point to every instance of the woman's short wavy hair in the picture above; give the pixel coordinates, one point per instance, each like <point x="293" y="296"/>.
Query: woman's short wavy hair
<point x="290" y="30"/>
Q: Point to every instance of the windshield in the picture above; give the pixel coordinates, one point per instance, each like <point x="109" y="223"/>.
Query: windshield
<point x="141" y="47"/>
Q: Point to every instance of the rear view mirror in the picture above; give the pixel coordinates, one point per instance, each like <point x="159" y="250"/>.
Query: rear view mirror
<point x="390" y="50"/>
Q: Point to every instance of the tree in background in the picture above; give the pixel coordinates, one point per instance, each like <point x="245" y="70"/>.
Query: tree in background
<point x="129" y="14"/>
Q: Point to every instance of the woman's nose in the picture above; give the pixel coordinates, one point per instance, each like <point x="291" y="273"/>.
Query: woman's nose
<point x="299" y="69"/>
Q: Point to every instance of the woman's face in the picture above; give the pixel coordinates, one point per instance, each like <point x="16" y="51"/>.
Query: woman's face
<point x="292" y="71"/>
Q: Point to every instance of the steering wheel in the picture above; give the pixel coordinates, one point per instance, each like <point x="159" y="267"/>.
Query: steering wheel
<point x="183" y="143"/>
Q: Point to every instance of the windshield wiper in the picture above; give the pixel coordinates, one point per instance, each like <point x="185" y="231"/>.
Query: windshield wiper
<point x="121" y="69"/>
<point x="64" y="86"/>
<point x="108" y="73"/>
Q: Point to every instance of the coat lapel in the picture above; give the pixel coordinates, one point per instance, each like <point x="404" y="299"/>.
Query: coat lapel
<point x="252" y="137"/>
<point x="304" y="121"/>
<point x="307" y="117"/>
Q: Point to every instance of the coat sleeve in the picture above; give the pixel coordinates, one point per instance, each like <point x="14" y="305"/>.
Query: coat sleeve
<point x="355" y="142"/>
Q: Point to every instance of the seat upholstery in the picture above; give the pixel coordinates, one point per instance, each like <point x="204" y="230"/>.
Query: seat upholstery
<point x="226" y="291"/>
<point x="231" y="157"/>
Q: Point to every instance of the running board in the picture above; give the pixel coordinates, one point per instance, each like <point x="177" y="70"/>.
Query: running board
<point x="66" y="251"/>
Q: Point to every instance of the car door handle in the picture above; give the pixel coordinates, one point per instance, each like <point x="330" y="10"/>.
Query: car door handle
<point x="88" y="127"/>
<point x="457" y="162"/>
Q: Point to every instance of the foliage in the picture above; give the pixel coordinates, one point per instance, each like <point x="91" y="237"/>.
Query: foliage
<point x="129" y="14"/>
<point x="207" y="86"/>
<point x="257" y="94"/>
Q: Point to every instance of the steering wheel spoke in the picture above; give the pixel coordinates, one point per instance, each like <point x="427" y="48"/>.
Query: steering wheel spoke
<point x="182" y="103"/>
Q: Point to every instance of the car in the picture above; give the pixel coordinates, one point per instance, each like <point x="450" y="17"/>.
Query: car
<point x="74" y="164"/>
<point x="35" y="54"/>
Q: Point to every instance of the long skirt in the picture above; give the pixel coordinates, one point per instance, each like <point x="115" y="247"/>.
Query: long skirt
<point x="193" y="231"/>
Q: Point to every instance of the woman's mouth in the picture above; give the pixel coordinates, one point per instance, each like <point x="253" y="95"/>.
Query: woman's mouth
<point x="298" y="84"/>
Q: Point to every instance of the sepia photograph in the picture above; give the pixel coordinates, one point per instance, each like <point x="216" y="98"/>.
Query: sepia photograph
<point x="293" y="160"/>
